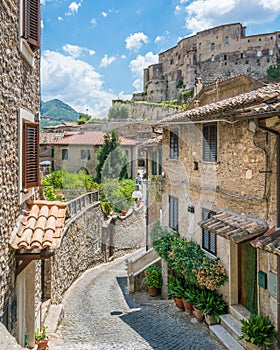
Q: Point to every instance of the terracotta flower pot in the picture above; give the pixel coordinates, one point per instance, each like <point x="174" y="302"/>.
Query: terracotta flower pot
<point x="210" y="320"/>
<point x="187" y="306"/>
<point x="42" y="344"/>
<point x="250" y="346"/>
<point x="179" y="302"/>
<point x="198" y="314"/>
<point x="152" y="291"/>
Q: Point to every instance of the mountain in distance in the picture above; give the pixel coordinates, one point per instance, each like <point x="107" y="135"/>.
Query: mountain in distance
<point x="55" y="112"/>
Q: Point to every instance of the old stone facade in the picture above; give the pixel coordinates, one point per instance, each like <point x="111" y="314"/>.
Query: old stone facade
<point x="238" y="176"/>
<point x="219" y="52"/>
<point x="19" y="98"/>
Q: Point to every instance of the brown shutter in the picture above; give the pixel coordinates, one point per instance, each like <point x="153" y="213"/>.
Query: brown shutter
<point x="30" y="153"/>
<point x="32" y="23"/>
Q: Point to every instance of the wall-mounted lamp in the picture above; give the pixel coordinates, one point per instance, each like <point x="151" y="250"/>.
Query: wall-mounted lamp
<point x="191" y="209"/>
<point x="136" y="193"/>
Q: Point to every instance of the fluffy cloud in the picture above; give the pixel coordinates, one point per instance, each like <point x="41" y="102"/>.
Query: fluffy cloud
<point x="73" y="8"/>
<point x="104" y="14"/>
<point x="204" y="14"/>
<point x="93" y="22"/>
<point x="158" y="39"/>
<point x="74" y="82"/>
<point x="138" y="64"/>
<point x="136" y="40"/>
<point x="106" y="61"/>
<point x="76" y="51"/>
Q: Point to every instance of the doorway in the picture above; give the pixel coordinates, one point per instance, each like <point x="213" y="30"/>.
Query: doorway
<point x="247" y="277"/>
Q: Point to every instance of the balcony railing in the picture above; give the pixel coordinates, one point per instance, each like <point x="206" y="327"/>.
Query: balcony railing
<point x="80" y="203"/>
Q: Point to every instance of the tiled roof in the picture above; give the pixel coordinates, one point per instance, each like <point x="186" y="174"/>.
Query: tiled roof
<point x="270" y="241"/>
<point x="236" y="227"/>
<point x="263" y="100"/>
<point x="41" y="226"/>
<point x="89" y="138"/>
<point x="152" y="141"/>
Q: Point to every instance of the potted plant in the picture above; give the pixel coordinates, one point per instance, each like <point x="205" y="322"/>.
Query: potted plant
<point x="176" y="290"/>
<point x="190" y="296"/>
<point x="41" y="338"/>
<point x="213" y="307"/>
<point x="258" y="332"/>
<point x="153" y="279"/>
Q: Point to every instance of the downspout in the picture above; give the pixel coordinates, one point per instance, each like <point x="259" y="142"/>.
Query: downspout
<point x="275" y="132"/>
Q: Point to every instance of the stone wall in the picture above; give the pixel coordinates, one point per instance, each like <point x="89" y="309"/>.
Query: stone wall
<point x="19" y="87"/>
<point x="222" y="51"/>
<point x="80" y="249"/>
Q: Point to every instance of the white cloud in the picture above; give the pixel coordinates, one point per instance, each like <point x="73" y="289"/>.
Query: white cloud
<point x="93" y="22"/>
<point x="136" y="40"/>
<point x="138" y="64"/>
<point x="76" y="51"/>
<point x="73" y="8"/>
<point x="123" y="57"/>
<point x="204" y="14"/>
<point x="74" y="82"/>
<point x="104" y="14"/>
<point x="42" y="24"/>
<point x="59" y="18"/>
<point x="106" y="61"/>
<point x="158" y="39"/>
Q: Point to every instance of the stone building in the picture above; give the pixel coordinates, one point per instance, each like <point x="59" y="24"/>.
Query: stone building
<point x="221" y="189"/>
<point x="78" y="150"/>
<point x="19" y="167"/>
<point x="224" y="51"/>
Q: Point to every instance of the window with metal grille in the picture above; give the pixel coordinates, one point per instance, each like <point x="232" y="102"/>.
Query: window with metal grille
<point x="160" y="162"/>
<point x="174" y="145"/>
<point x="30" y="154"/>
<point x="31" y="23"/>
<point x="173" y="213"/>
<point x="209" y="239"/>
<point x="64" y="154"/>
<point x="85" y="154"/>
<point x="154" y="163"/>
<point x="209" y="142"/>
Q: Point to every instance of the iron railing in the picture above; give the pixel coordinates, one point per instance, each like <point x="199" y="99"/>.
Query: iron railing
<point x="80" y="203"/>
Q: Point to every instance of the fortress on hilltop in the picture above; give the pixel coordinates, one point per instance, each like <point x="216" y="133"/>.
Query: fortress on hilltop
<point x="220" y="52"/>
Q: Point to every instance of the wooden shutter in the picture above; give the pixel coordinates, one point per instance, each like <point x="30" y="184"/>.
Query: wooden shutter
<point x="154" y="163"/>
<point x="209" y="239"/>
<point x="32" y="23"/>
<point x="173" y="213"/>
<point x="210" y="142"/>
<point x="30" y="153"/>
<point x="174" y="149"/>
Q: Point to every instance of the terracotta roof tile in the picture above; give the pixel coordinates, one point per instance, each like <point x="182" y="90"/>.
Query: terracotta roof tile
<point x="261" y="100"/>
<point x="236" y="227"/>
<point x="270" y="241"/>
<point x="41" y="226"/>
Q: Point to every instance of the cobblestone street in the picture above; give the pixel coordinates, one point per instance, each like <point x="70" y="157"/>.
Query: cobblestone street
<point x="99" y="314"/>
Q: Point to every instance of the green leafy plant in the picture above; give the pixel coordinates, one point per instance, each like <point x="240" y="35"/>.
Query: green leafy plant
<point x="213" y="305"/>
<point x="41" y="334"/>
<point x="176" y="288"/>
<point x="106" y="207"/>
<point x="153" y="276"/>
<point x="258" y="330"/>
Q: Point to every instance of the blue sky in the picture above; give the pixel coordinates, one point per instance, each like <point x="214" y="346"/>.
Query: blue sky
<point x="95" y="51"/>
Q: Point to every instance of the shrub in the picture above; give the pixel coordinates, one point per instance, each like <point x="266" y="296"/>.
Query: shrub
<point x="153" y="276"/>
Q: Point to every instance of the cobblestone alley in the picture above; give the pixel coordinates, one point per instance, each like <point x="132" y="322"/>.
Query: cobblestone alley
<point x="99" y="314"/>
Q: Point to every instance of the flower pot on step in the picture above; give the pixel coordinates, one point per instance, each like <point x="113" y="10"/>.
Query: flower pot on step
<point x="250" y="346"/>
<point x="179" y="302"/>
<point x="187" y="306"/>
<point x="198" y="314"/>
<point x="42" y="344"/>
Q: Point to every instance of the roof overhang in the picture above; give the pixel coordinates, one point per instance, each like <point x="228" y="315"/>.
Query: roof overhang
<point x="236" y="227"/>
<point x="270" y="241"/>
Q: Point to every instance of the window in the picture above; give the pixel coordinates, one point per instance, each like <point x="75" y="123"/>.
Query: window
<point x="213" y="58"/>
<point x="172" y="61"/>
<point x="30" y="154"/>
<point x="154" y="163"/>
<point x="30" y="28"/>
<point x="271" y="52"/>
<point x="213" y="46"/>
<point x="225" y="57"/>
<point x="209" y="142"/>
<point x="227" y="39"/>
<point x="209" y="240"/>
<point x="174" y="146"/>
<point x="173" y="213"/>
<point x="85" y="154"/>
<point x="199" y="46"/>
<point x="200" y="57"/>
<point x="160" y="162"/>
<point x="241" y="55"/>
<point x="64" y="154"/>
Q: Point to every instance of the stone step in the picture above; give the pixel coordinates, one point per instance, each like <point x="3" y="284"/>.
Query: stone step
<point x="239" y="312"/>
<point x="232" y="325"/>
<point x="225" y="338"/>
<point x="54" y="318"/>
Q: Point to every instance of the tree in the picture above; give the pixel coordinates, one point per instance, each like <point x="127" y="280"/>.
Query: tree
<point x="111" y="142"/>
<point x="273" y="73"/>
<point x="118" y="111"/>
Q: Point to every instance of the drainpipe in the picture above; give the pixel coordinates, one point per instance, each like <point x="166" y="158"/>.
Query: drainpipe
<point x="275" y="132"/>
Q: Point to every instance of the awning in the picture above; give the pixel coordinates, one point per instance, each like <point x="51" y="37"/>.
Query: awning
<point x="40" y="227"/>
<point x="237" y="227"/>
<point x="269" y="242"/>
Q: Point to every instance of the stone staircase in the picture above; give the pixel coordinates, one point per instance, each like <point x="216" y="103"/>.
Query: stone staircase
<point x="229" y="330"/>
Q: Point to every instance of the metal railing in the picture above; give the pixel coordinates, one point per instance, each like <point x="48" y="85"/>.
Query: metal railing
<point x="80" y="203"/>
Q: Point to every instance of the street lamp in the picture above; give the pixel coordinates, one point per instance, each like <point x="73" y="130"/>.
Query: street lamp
<point x="137" y="194"/>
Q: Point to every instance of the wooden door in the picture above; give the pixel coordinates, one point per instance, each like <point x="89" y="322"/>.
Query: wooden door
<point x="247" y="276"/>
